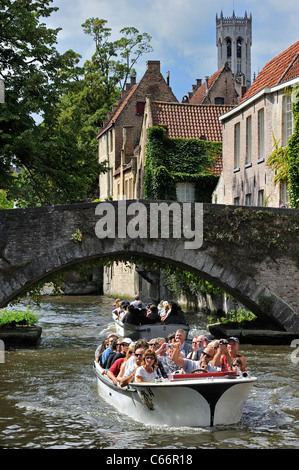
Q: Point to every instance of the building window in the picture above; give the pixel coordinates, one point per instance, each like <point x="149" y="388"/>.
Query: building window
<point x="287" y="119"/>
<point x="185" y="192"/>
<point x="140" y="105"/>
<point x="248" y="139"/>
<point x="248" y="199"/>
<point x="283" y="193"/>
<point x="261" y="134"/>
<point x="236" y="201"/>
<point x="111" y="141"/>
<point x="219" y="100"/>
<point x="237" y="146"/>
<point x="260" y="197"/>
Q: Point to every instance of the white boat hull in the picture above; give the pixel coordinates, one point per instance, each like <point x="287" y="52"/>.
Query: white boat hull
<point x="155" y="330"/>
<point x="206" y="401"/>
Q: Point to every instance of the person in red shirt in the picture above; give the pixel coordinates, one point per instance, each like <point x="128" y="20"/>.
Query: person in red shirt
<point x="227" y="351"/>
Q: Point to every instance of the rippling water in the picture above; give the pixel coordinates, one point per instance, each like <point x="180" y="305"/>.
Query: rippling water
<point x="48" y="396"/>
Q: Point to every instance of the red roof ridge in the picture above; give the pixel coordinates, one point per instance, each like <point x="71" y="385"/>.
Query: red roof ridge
<point x="275" y="71"/>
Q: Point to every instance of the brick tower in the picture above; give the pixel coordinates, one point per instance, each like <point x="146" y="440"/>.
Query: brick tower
<point x="234" y="41"/>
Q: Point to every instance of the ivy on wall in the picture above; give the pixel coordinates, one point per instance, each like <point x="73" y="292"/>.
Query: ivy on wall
<point x="170" y="161"/>
<point x="293" y="147"/>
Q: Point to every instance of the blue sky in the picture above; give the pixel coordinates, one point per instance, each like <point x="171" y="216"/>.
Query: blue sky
<point x="183" y="31"/>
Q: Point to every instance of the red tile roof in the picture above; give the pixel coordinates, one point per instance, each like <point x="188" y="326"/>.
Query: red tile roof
<point x="278" y="70"/>
<point x="190" y="121"/>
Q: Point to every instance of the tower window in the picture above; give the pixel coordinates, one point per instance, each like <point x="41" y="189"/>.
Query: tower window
<point x="229" y="48"/>
<point x="239" y="48"/>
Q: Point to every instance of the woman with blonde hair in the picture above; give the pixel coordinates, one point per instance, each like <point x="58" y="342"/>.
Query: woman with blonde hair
<point x="147" y="372"/>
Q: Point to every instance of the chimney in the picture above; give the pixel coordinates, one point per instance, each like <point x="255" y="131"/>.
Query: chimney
<point x="167" y="78"/>
<point x="153" y="66"/>
<point x="198" y="82"/>
<point x="207" y="83"/>
<point x="128" y="147"/>
<point x="133" y="81"/>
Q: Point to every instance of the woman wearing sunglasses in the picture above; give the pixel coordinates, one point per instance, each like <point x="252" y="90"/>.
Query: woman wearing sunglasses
<point x="147" y="372"/>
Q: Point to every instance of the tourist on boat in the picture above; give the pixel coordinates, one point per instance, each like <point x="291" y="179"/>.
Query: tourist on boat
<point x="174" y="315"/>
<point x="147" y="372"/>
<point x="180" y="337"/>
<point x="153" y="315"/>
<point x="129" y="354"/>
<point x="138" y="355"/>
<point x="137" y="303"/>
<point x="189" y="366"/>
<point x="116" y="306"/>
<point x="113" y="346"/>
<point x="231" y="352"/>
<point x="108" y="348"/>
<point x="201" y="343"/>
<point x="166" y="364"/>
<point x="164" y="310"/>
<point x="131" y="363"/>
<point x="113" y="371"/>
<point x="195" y="347"/>
<point x="132" y="315"/>
<point x="237" y="366"/>
<point x="113" y="356"/>
<point x="226" y="352"/>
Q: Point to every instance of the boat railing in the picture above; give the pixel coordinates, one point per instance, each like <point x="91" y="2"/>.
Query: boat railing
<point x="202" y="375"/>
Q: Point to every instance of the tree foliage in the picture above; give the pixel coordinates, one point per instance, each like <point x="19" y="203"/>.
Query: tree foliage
<point x="284" y="161"/>
<point x="58" y="157"/>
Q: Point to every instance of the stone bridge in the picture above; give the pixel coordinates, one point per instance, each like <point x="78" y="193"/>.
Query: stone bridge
<point x="251" y="253"/>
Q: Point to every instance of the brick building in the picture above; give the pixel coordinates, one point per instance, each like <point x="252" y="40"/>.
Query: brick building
<point x="120" y="134"/>
<point x="183" y="121"/>
<point x="248" y="129"/>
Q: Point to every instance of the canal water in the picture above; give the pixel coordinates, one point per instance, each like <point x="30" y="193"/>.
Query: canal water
<point x="49" y="400"/>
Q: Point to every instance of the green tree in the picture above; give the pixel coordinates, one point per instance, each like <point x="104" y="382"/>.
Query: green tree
<point x="58" y="157"/>
<point x="34" y="75"/>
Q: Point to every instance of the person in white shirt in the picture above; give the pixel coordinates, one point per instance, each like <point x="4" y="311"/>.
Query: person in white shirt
<point x="147" y="372"/>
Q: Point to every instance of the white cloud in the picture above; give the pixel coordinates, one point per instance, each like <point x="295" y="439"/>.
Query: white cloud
<point x="183" y="31"/>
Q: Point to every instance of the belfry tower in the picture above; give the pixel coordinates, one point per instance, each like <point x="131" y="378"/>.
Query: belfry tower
<point x="234" y="41"/>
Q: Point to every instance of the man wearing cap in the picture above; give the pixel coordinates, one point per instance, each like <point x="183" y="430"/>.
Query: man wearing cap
<point x="230" y="350"/>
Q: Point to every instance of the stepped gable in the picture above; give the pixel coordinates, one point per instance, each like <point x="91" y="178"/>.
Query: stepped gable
<point x="280" y="69"/>
<point x="190" y="121"/>
<point x="202" y="92"/>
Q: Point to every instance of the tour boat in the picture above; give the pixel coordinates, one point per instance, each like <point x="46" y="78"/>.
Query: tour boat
<point x="148" y="331"/>
<point x="197" y="399"/>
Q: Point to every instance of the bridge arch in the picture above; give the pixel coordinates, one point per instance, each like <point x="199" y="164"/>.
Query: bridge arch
<point x="38" y="242"/>
<point x="246" y="290"/>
